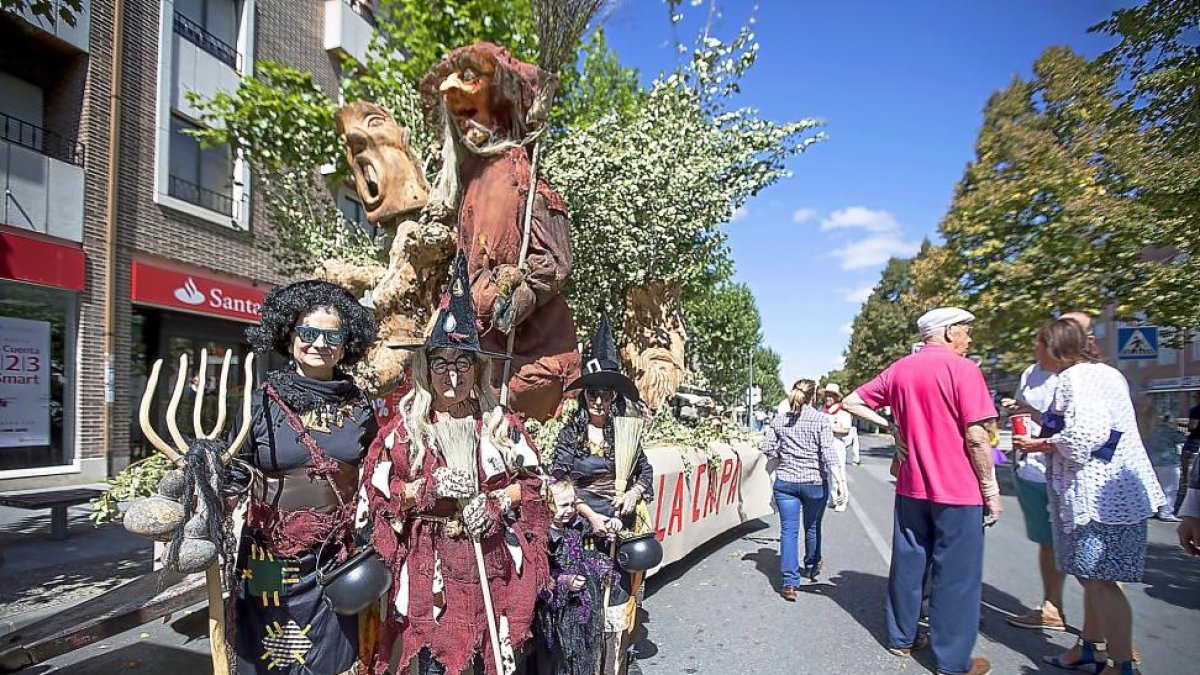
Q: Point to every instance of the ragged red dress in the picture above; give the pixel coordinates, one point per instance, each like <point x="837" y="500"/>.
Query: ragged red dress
<point x="460" y="631"/>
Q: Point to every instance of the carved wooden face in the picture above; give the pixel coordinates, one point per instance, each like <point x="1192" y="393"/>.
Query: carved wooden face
<point x="387" y="174"/>
<point x="467" y="93"/>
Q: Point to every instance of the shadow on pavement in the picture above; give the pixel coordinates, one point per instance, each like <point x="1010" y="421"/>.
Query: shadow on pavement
<point x="142" y="658"/>
<point x="1172" y="576"/>
<point x="766" y="561"/>
<point x="672" y="572"/>
<point x="860" y="595"/>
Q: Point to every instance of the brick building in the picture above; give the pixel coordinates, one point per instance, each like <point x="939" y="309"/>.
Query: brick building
<point x="121" y="240"/>
<point x="1171" y="378"/>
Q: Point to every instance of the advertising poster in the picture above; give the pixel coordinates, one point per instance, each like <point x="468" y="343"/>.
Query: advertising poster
<point x="24" y="382"/>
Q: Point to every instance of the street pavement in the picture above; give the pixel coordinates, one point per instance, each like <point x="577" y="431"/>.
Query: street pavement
<point x="718" y="613"/>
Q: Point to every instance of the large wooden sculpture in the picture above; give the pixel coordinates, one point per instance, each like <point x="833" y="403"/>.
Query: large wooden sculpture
<point x="655" y="340"/>
<point x="404" y="292"/>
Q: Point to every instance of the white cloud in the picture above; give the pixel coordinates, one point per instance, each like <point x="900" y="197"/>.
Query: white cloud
<point x="740" y="213"/>
<point x="875" y="250"/>
<point x="801" y="216"/>
<point x="858" y="296"/>
<point x="847" y="328"/>
<point x="862" y="218"/>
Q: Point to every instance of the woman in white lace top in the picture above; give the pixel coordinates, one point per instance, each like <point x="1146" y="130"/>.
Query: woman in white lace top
<point x="1102" y="486"/>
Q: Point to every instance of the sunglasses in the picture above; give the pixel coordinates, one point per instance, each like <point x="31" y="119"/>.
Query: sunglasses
<point x="334" y="337"/>
<point x="440" y="366"/>
<point x="599" y="394"/>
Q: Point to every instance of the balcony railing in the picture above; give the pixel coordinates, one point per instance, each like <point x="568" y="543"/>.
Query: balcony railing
<point x="210" y="43"/>
<point x="200" y="196"/>
<point x="41" y="140"/>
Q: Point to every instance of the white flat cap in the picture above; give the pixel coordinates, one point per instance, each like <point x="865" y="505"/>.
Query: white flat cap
<point x="942" y="317"/>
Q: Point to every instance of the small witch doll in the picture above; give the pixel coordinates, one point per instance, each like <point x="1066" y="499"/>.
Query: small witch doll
<point x="569" y="624"/>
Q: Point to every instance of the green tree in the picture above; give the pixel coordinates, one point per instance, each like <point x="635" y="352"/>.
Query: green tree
<point x="1159" y="61"/>
<point x="884" y="329"/>
<point x="723" y="327"/>
<point x="766" y="376"/>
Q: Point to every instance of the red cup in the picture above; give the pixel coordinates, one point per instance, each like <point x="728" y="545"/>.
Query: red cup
<point x="1018" y="425"/>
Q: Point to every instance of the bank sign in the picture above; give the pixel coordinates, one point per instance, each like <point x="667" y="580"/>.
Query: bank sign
<point x="195" y="293"/>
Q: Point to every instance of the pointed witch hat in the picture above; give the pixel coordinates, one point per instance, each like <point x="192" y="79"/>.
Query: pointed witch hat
<point x="456" y="325"/>
<point x="602" y="366"/>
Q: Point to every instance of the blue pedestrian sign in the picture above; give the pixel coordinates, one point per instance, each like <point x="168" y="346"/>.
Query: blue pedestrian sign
<point x="1137" y="343"/>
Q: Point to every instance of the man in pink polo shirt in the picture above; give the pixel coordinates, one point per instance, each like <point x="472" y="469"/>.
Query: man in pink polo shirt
<point x="946" y="488"/>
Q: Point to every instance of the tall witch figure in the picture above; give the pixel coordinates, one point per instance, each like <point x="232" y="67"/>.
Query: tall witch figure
<point x="586" y="450"/>
<point x="311" y="427"/>
<point x="452" y="472"/>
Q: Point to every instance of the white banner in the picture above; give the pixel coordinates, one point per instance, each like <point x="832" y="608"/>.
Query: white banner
<point x="694" y="502"/>
<point x="24" y="382"/>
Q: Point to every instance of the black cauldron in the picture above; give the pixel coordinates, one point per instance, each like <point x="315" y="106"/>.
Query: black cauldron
<point x="352" y="585"/>
<point x="639" y="553"/>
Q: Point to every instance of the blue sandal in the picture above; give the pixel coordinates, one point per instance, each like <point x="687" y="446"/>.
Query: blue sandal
<point x="1087" y="656"/>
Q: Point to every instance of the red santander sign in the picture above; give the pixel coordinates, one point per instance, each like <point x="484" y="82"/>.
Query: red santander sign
<point x="172" y="289"/>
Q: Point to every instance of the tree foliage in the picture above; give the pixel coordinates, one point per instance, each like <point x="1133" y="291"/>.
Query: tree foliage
<point x="63" y="10"/>
<point x="885" y="328"/>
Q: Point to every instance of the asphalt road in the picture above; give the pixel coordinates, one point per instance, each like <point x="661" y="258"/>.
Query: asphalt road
<point x="718" y="613"/>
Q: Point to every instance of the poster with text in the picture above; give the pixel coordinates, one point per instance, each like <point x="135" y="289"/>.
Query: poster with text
<point x="24" y="382"/>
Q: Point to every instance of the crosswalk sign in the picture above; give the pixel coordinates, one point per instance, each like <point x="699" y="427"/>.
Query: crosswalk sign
<point x="1137" y="343"/>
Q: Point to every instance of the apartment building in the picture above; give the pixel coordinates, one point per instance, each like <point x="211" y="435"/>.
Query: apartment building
<point x="122" y="241"/>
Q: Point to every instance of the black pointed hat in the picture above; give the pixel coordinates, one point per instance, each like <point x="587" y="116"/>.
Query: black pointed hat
<point x="456" y="325"/>
<point x="602" y="365"/>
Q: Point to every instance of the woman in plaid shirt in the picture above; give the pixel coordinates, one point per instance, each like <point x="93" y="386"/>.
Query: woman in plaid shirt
<point x="802" y="442"/>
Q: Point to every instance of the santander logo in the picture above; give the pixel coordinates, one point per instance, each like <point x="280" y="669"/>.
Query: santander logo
<point x="189" y="294"/>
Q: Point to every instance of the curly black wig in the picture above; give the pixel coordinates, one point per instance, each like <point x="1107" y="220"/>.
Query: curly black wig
<point x="285" y="305"/>
<point x="574" y="429"/>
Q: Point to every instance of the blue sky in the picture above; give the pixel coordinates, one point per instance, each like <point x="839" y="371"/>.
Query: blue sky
<point x="901" y="86"/>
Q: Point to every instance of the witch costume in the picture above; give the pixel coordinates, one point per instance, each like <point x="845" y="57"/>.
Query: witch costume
<point x="298" y="472"/>
<point x="592" y="466"/>
<point x="569" y="628"/>
<point x="435" y="611"/>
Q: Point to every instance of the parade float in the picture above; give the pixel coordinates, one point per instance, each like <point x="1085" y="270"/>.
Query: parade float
<point x="618" y="202"/>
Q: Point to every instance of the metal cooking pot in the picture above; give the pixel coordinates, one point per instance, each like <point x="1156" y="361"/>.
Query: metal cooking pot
<point x="352" y="585"/>
<point x="639" y="553"/>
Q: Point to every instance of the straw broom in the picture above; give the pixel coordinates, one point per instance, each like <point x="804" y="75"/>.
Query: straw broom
<point x="459" y="441"/>
<point x="560" y="27"/>
<point x="627" y="436"/>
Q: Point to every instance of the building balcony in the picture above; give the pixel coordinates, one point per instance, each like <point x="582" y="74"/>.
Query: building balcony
<point x="200" y="196"/>
<point x="43" y="179"/>
<point x="201" y="63"/>
<point x="78" y="36"/>
<point x="349" y="25"/>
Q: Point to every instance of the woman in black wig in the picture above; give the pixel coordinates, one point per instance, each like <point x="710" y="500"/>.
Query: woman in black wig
<point x="586" y="453"/>
<point x="298" y="470"/>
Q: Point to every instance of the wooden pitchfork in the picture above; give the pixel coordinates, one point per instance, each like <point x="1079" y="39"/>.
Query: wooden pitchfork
<point x="212" y="576"/>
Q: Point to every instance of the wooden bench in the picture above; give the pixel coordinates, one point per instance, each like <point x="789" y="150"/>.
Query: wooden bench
<point x="55" y="500"/>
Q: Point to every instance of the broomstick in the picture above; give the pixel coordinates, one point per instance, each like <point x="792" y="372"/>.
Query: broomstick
<point x="560" y="26"/>
<point x="459" y="442"/>
<point x="627" y="434"/>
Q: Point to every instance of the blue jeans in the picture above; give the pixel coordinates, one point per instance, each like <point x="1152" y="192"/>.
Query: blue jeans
<point x="949" y="540"/>
<point x="791" y="499"/>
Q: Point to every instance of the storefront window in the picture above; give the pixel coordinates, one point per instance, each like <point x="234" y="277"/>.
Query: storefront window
<point x="166" y="335"/>
<point x="37" y="374"/>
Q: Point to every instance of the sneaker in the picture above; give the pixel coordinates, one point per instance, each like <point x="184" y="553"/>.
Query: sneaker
<point x="789" y="593"/>
<point x="1166" y="517"/>
<point x="1036" y="619"/>
<point x="811" y="573"/>
<point x="921" y="642"/>
<point x="979" y="666"/>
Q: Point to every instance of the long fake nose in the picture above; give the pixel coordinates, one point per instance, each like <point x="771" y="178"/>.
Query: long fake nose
<point x="453" y="81"/>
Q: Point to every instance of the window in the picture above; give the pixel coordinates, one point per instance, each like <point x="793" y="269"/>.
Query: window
<point x="211" y="24"/>
<point x="1196" y="347"/>
<point x="37" y="376"/>
<point x="353" y="211"/>
<point x="200" y="176"/>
